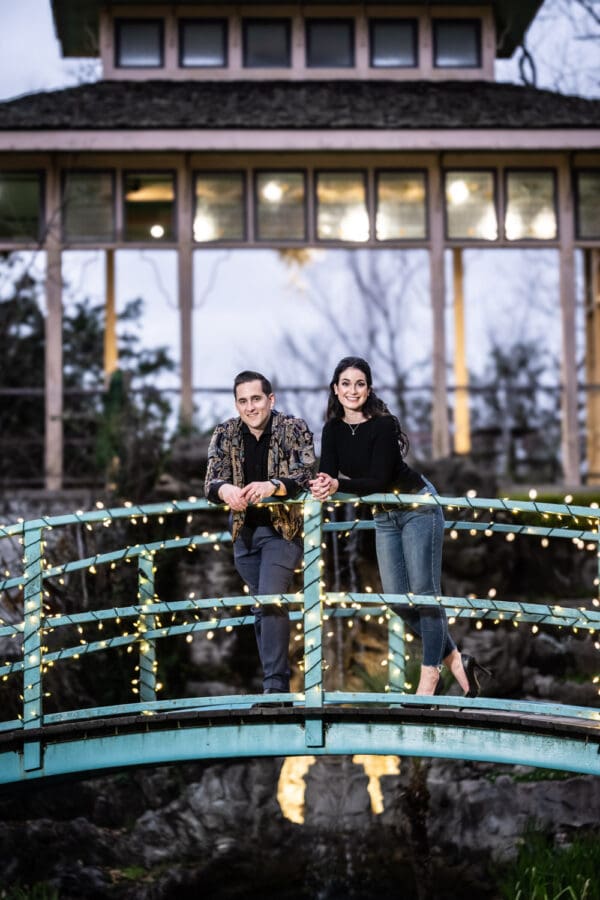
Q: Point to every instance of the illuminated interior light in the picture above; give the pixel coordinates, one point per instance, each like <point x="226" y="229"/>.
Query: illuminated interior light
<point x="544" y="225"/>
<point x="513" y="225"/>
<point x="204" y="228"/>
<point x="157" y="231"/>
<point x="458" y="192"/>
<point x="272" y="192"/>
<point x="355" y="226"/>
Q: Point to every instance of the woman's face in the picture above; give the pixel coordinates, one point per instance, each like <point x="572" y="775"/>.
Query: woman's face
<point x="352" y="389"/>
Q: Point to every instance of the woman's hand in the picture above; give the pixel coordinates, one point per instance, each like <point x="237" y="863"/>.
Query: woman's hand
<point x="323" y="486"/>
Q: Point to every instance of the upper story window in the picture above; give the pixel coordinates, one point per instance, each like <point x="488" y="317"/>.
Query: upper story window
<point x="149" y="206"/>
<point x="21" y="213"/>
<point x="471" y="205"/>
<point x="88" y="206"/>
<point x="330" y="43"/>
<point x="139" y="43"/>
<point x="531" y="206"/>
<point x="203" y="42"/>
<point x="457" y="43"/>
<point x="393" y="43"/>
<point x="587" y="187"/>
<point x="267" y="43"/>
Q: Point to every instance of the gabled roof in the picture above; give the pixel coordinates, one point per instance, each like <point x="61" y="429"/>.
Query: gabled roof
<point x="326" y="105"/>
<point x="76" y="21"/>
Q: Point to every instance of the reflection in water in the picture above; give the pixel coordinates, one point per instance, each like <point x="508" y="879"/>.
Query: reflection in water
<point x="291" y="786"/>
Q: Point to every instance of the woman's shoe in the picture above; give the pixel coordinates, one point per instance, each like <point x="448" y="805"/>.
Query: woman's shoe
<point x="472" y="669"/>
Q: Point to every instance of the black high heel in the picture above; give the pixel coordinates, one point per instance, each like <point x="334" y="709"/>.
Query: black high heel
<point x="472" y="669"/>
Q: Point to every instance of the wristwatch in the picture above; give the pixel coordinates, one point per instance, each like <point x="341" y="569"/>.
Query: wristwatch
<point x="277" y="484"/>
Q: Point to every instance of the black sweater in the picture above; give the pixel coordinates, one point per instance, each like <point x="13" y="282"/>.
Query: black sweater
<point x="368" y="461"/>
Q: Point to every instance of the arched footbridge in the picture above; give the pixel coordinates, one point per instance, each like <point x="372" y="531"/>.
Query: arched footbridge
<point x="41" y="633"/>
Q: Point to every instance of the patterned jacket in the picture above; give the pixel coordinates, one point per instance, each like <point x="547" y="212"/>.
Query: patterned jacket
<point x="291" y="455"/>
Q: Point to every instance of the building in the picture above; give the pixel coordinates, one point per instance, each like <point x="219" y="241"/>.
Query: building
<point x="306" y="124"/>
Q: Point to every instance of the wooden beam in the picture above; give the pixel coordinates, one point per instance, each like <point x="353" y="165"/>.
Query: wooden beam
<point x="185" y="288"/>
<point x="111" y="351"/>
<point x="592" y="363"/>
<point x="440" y="423"/>
<point x="570" y="428"/>
<point x="53" y="362"/>
<point x="462" y="424"/>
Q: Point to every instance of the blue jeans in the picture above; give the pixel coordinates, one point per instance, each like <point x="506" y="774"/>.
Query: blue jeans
<point x="409" y="555"/>
<point x="266" y="562"/>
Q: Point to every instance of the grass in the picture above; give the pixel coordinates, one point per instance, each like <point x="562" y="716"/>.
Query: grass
<point x="543" y="871"/>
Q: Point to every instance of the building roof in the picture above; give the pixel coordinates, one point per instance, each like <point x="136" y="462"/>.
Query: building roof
<point x="272" y="105"/>
<point x="76" y="21"/>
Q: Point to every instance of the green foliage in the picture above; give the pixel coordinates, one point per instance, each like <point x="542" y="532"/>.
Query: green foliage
<point x="38" y="891"/>
<point x="546" y="872"/>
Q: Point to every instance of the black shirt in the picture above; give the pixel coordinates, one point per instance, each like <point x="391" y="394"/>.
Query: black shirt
<point x="366" y="459"/>
<point x="256" y="454"/>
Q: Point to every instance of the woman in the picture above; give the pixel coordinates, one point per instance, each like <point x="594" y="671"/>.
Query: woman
<point x="364" y="441"/>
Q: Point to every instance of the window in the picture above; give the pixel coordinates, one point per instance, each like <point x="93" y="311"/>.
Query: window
<point x="219" y="208"/>
<point x="20" y="206"/>
<point x="401" y="210"/>
<point x="342" y="207"/>
<point x="280" y="208"/>
<point x="139" y="43"/>
<point x="587" y="187"/>
<point x="457" y="43"/>
<point x="470" y="206"/>
<point x="330" y="43"/>
<point x="88" y="206"/>
<point x="530" y="206"/>
<point x="149" y="206"/>
<point x="393" y="42"/>
<point x="267" y="43"/>
<point x="203" y="42"/>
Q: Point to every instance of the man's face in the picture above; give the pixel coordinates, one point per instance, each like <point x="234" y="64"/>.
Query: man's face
<point x="253" y="405"/>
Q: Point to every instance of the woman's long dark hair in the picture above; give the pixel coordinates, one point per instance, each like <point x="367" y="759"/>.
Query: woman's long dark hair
<point x="374" y="405"/>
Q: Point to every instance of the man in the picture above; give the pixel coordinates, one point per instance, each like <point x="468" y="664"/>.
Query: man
<point x="263" y="453"/>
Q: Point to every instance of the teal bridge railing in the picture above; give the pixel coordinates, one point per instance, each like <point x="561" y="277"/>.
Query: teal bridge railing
<point x="62" y="743"/>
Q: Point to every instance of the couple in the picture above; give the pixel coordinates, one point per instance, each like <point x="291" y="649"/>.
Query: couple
<point x="264" y="453"/>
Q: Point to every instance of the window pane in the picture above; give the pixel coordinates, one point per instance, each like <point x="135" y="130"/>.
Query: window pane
<point x="588" y="204"/>
<point x="88" y="212"/>
<point x="393" y="42"/>
<point x="330" y="44"/>
<point x="203" y="42"/>
<point x="149" y="207"/>
<point x="530" y="206"/>
<point x="219" y="213"/>
<point x="400" y="206"/>
<point x="280" y="211"/>
<point x="140" y="43"/>
<point x="457" y="43"/>
<point x="470" y="206"/>
<point x="266" y="43"/>
<point x="342" y="207"/>
<point x="20" y="206"/>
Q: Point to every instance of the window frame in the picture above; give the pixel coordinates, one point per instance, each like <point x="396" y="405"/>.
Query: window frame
<point x="256" y="173"/>
<point x="536" y="240"/>
<point x="459" y="21"/>
<point x="327" y="20"/>
<point x="496" y="198"/>
<point x="364" y="172"/>
<point x="221" y="241"/>
<point x="195" y="20"/>
<point x="153" y="242"/>
<point x="413" y="22"/>
<point x="584" y="170"/>
<point x="142" y="20"/>
<point x="40" y="238"/>
<point x="63" y="197"/>
<point x="266" y="20"/>
<point x="384" y="242"/>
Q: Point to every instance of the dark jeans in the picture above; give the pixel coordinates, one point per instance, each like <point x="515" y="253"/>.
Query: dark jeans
<point x="409" y="554"/>
<point x="266" y="562"/>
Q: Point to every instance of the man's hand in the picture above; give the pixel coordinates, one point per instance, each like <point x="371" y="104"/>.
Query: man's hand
<point x="323" y="486"/>
<point x="233" y="496"/>
<point x="258" y="490"/>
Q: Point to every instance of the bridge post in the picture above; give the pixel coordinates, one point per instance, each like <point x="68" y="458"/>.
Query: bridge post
<point x="396" y="660"/>
<point x="32" y="645"/>
<point x="313" y="620"/>
<point x="147" y="660"/>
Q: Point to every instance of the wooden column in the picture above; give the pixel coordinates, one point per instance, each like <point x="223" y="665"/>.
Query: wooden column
<point x="53" y="363"/>
<point x="462" y="424"/>
<point x="111" y="352"/>
<point x="592" y="362"/>
<point x="185" y="287"/>
<point x="440" y="424"/>
<point x="570" y="430"/>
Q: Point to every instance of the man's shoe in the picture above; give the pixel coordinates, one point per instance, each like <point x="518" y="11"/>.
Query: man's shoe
<point x="275" y="704"/>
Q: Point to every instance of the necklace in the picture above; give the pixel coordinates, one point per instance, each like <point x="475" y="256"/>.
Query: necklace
<point x="353" y="428"/>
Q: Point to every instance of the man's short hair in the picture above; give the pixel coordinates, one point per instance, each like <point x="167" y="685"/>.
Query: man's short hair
<point x="246" y="376"/>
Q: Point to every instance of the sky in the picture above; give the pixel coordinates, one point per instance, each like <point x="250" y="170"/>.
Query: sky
<point x="230" y="333"/>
